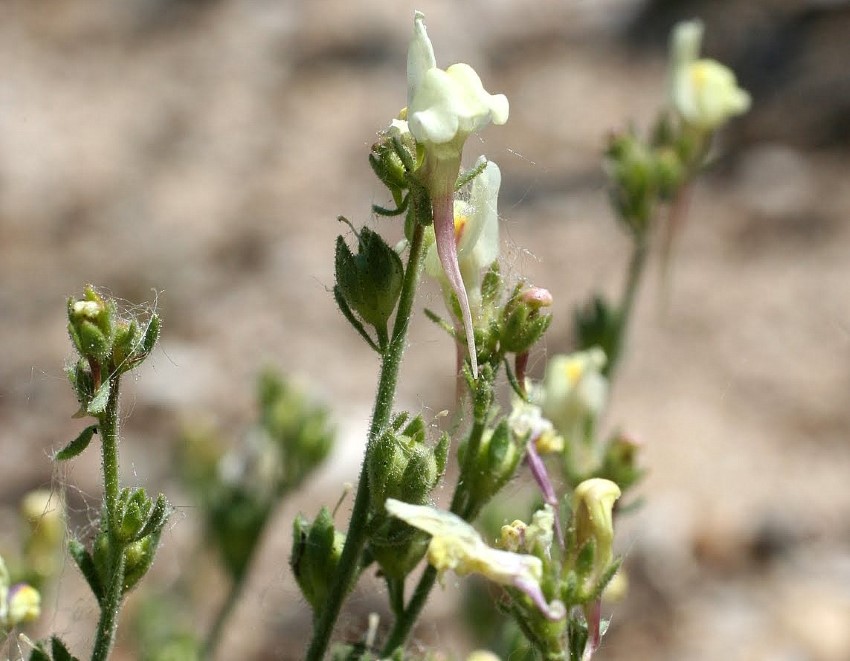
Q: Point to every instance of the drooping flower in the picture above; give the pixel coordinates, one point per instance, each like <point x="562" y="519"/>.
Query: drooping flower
<point x="455" y="545"/>
<point x="443" y="108"/>
<point x="476" y="234"/>
<point x="704" y="92"/>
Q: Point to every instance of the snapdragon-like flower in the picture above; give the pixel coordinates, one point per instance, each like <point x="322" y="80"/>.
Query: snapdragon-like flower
<point x="455" y="545"/>
<point x="443" y="108"/>
<point x="476" y="234"/>
<point x="704" y="92"/>
<point x="574" y="388"/>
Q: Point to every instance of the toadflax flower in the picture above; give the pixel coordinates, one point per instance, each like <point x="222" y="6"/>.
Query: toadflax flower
<point x="704" y="92"/>
<point x="443" y="108"/>
<point x="574" y="388"/>
<point x="476" y="234"/>
<point x="455" y="545"/>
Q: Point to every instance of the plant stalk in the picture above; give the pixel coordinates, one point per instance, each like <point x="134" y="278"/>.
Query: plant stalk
<point x="108" y="623"/>
<point x="356" y="535"/>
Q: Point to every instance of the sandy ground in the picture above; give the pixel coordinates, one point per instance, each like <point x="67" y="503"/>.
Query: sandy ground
<point x="196" y="154"/>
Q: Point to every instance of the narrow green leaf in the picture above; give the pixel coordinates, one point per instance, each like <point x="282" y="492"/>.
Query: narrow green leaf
<point x="86" y="564"/>
<point x="76" y="446"/>
<point x="101" y="398"/>
<point x="151" y="334"/>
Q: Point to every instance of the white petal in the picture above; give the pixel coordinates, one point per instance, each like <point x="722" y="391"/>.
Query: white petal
<point x="420" y="56"/>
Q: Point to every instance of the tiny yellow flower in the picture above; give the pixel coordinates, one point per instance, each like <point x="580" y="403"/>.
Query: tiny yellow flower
<point x="704" y="92"/>
<point x="455" y="545"/>
<point x="24" y="604"/>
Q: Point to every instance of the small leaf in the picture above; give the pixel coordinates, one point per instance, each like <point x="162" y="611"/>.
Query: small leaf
<point x="60" y="652"/>
<point x="101" y="398"/>
<point x="84" y="561"/>
<point x="76" y="446"/>
<point x="151" y="334"/>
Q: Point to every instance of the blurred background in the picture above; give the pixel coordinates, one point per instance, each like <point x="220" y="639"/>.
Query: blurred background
<point x="196" y="153"/>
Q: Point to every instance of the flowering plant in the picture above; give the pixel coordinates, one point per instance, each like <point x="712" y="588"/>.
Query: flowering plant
<point x="552" y="565"/>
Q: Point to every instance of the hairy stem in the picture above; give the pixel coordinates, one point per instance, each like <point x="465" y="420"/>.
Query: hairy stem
<point x="356" y="535"/>
<point x="108" y="623"/>
<point x="460" y="506"/>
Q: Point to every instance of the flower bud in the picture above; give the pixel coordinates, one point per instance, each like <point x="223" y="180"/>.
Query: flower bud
<point x="43" y="513"/>
<point x="593" y="504"/>
<point x="369" y="283"/>
<point x="632" y="169"/>
<point x="90" y="325"/>
<point x="524" y="320"/>
<point x="138" y="558"/>
<point x="620" y="461"/>
<point x="316" y="550"/>
<point x="495" y="464"/>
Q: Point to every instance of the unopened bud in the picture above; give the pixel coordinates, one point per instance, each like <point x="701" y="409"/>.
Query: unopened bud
<point x="593" y="504"/>
<point x="370" y="282"/>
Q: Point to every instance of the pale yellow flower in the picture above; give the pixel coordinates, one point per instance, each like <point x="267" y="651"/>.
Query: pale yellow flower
<point x="455" y="545"/>
<point x="704" y="92"/>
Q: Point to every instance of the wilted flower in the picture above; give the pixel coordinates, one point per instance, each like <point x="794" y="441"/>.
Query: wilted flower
<point x="704" y="92"/>
<point x="443" y="109"/>
<point x="455" y="545"/>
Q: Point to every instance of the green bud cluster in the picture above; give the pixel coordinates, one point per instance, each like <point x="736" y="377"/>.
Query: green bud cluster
<point x="238" y="491"/>
<point x="523" y="319"/>
<point x="138" y="527"/>
<point x="108" y="345"/>
<point x="316" y="549"/>
<point x="403" y="467"/>
<point x="620" y="461"/>
<point x="299" y="431"/>
<point x="368" y="284"/>
<point x="493" y="465"/>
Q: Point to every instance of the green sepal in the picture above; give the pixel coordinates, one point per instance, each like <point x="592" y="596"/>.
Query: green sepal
<point x="78" y="445"/>
<point x="98" y="403"/>
<point x="420" y="476"/>
<point x="86" y="565"/>
<point x="157" y="519"/>
<point x="126" y="337"/>
<point x="606" y="577"/>
<point x="38" y="654"/>
<point x="138" y="558"/>
<point x="151" y="334"/>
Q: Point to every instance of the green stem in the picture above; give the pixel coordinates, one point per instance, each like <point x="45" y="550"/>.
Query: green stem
<point x="460" y="505"/>
<point x="634" y="275"/>
<point x="108" y="623"/>
<point x="214" y="636"/>
<point x="356" y="536"/>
